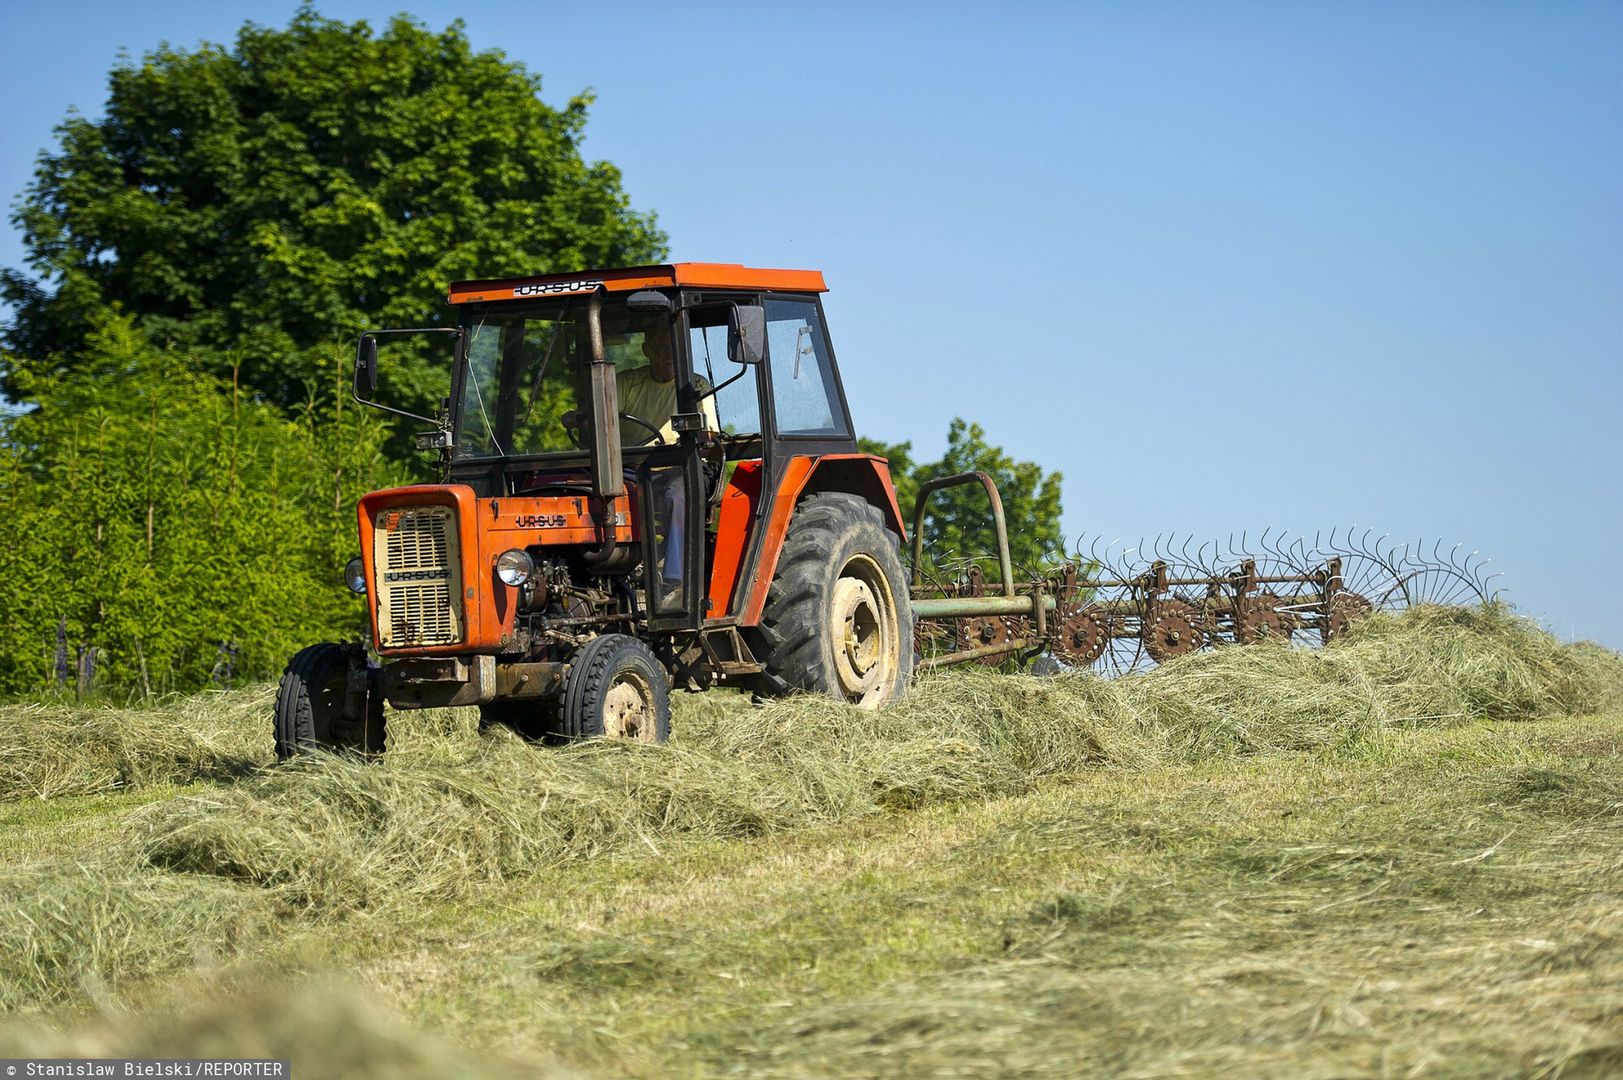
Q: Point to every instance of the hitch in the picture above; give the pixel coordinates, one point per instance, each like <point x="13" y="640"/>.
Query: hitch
<point x="1034" y="605"/>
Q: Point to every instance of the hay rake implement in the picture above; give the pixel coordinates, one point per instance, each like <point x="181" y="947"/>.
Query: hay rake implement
<point x="1120" y="608"/>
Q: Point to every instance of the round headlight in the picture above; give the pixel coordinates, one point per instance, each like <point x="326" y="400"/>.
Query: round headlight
<point x="355" y="575"/>
<point x="514" y="566"/>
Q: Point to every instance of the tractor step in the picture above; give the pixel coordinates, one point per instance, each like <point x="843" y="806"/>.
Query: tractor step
<point x="727" y="650"/>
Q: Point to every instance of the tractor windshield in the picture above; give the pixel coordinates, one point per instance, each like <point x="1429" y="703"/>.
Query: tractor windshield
<point x="526" y="386"/>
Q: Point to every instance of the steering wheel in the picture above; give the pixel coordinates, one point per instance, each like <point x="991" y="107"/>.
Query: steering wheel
<point x="659" y="436"/>
<point x="574" y="420"/>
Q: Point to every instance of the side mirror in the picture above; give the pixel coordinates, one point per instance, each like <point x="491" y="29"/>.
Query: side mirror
<point x="748" y="344"/>
<point x="366" y="367"/>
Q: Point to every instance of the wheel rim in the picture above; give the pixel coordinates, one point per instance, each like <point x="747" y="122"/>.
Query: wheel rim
<point x="863" y="633"/>
<point x="628" y="709"/>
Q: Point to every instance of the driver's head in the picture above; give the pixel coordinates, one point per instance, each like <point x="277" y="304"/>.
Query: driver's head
<point x="656" y="346"/>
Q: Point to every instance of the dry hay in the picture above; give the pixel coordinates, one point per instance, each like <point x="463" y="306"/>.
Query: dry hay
<point x="51" y="750"/>
<point x="448" y="812"/>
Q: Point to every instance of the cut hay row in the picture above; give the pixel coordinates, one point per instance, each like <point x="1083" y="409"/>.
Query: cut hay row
<point x="51" y="750"/>
<point x="1416" y="943"/>
<point x="335" y="835"/>
<point x="1447" y="906"/>
<point x="1429" y="666"/>
<point x="448" y="813"/>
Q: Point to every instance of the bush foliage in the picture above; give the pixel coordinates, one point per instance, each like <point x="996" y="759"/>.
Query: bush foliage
<point x="186" y="530"/>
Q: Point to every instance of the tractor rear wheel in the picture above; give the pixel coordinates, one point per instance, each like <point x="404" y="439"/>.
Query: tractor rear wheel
<point x="837" y="621"/>
<point x="310" y="702"/>
<point x="616" y="690"/>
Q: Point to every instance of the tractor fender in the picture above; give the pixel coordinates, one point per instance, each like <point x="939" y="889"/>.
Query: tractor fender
<point x="863" y="475"/>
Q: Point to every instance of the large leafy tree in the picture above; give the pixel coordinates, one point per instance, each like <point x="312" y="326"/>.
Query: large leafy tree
<point x="958" y="521"/>
<point x="252" y="208"/>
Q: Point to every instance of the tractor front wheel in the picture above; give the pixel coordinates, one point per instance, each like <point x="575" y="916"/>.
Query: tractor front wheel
<point x="311" y="703"/>
<point x="616" y="690"/>
<point x="838" y="621"/>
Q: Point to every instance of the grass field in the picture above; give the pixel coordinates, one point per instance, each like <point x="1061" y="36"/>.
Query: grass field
<point x="1399" y="856"/>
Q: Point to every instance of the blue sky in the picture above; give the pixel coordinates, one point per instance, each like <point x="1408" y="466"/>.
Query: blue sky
<point x="1225" y="266"/>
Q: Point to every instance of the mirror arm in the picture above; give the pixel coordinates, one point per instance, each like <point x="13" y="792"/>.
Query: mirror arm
<point x="743" y="369"/>
<point x="438" y="423"/>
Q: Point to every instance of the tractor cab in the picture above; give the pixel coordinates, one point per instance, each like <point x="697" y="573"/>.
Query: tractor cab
<point x="648" y="389"/>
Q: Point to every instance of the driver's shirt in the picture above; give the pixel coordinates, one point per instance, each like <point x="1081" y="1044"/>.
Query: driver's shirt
<point x="647" y="399"/>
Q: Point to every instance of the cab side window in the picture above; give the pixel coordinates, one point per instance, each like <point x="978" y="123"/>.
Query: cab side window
<point x="804" y="396"/>
<point x="737" y="403"/>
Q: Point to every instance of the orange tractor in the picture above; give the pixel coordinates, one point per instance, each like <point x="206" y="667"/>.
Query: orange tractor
<point x="651" y="479"/>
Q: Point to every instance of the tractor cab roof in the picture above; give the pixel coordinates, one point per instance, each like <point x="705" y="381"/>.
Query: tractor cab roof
<point x="701" y="275"/>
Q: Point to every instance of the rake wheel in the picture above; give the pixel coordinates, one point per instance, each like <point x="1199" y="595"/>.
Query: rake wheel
<point x="980" y="631"/>
<point x="1174" y="628"/>
<point x="1262" y="622"/>
<point x="1345" y="608"/>
<point x="1083" y="636"/>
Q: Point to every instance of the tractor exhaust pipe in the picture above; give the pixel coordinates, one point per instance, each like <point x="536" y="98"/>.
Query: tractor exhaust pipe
<point x="608" y="470"/>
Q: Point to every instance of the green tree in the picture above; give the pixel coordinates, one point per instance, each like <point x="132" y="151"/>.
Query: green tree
<point x="253" y="208"/>
<point x="958" y="521"/>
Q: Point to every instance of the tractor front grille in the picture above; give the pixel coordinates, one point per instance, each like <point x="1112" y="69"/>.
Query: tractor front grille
<point x="418" y="569"/>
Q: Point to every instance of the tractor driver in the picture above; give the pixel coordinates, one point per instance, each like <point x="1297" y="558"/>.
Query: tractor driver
<point x="649" y="395"/>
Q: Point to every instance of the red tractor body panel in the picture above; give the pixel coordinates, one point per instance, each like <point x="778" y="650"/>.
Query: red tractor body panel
<point x="737" y="516"/>
<point x="700" y="275"/>
<point x="484" y="528"/>
<point x="859" y="474"/>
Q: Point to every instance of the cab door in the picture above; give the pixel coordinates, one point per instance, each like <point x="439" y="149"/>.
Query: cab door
<point x="718" y="422"/>
<point x="731" y="398"/>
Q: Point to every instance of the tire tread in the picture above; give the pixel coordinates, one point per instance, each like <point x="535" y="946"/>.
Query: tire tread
<point x="791" y="623"/>
<point x="294" y="721"/>
<point x="593" y="667"/>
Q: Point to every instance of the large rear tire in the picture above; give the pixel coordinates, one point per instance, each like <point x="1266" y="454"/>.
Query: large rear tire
<point x="838" y="621"/>
<point x="616" y="690"/>
<point x="310" y="703"/>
